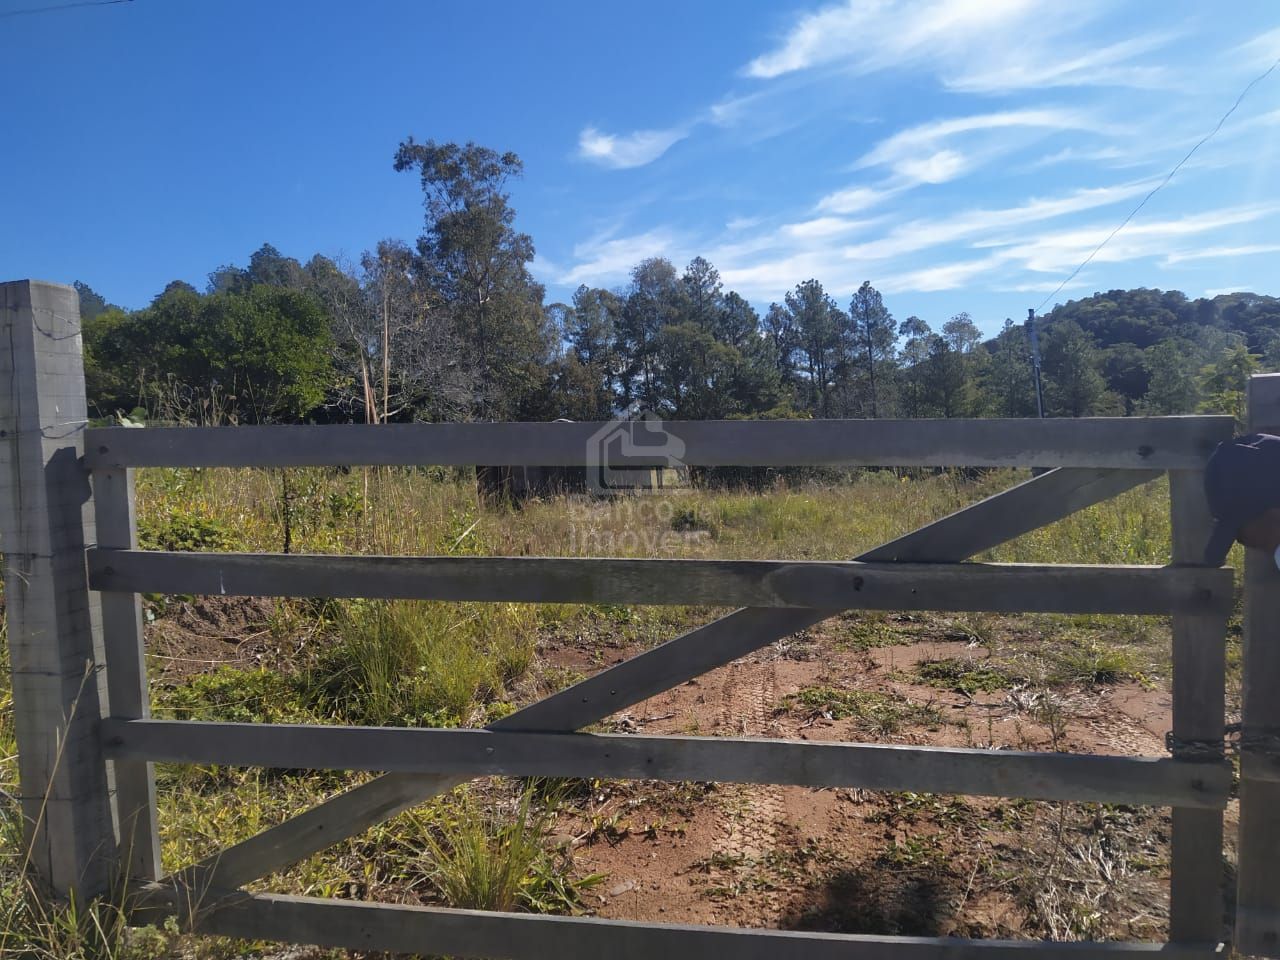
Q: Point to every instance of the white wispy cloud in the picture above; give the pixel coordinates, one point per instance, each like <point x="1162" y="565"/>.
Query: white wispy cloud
<point x="985" y="46"/>
<point x="772" y="259"/>
<point x="731" y="110"/>
<point x="1044" y="286"/>
<point x="1210" y="253"/>
<point x="856" y="199"/>
<point x="926" y="136"/>
<point x="1008" y="244"/>
<point x="1020" y="69"/>
<point x="975" y="46"/>
<point x="823" y="227"/>
<point x="622" y="151"/>
<point x="769" y="279"/>
<point x="762" y="260"/>
<point x="972" y="225"/>
<point x="1261" y="50"/>
<point x="1110" y="155"/>
<point x="926" y="153"/>
<point x="869" y="34"/>
<point x="1061" y="251"/>
<point x="1234" y="288"/>
<point x="945" y="276"/>
<point x="608" y="259"/>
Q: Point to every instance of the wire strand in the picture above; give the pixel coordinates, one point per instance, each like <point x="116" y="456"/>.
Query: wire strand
<point x="64" y="6"/>
<point x="1158" y="187"/>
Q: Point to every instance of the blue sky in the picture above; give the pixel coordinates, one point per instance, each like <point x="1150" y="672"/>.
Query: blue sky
<point x="959" y="154"/>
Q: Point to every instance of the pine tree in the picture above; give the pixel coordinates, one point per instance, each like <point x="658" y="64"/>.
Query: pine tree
<point x="915" y="352"/>
<point x="1009" y="385"/>
<point x="874" y="338"/>
<point x="1074" y="387"/>
<point x="1173" y="386"/>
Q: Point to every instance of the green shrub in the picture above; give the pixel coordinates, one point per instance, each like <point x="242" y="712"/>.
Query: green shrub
<point x="462" y="535"/>
<point x="186" y="530"/>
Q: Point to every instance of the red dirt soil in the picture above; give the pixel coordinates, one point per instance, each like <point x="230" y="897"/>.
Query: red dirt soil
<point x="832" y="859"/>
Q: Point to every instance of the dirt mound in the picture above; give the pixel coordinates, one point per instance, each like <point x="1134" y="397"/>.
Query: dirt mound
<point x="186" y="637"/>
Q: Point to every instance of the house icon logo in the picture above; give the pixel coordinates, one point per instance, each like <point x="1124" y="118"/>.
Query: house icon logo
<point x="631" y="454"/>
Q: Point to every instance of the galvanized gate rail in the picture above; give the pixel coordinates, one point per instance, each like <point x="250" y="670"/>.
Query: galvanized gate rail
<point x="87" y="748"/>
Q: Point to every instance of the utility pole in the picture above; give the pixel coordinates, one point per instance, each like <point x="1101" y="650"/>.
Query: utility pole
<point x="1035" y="361"/>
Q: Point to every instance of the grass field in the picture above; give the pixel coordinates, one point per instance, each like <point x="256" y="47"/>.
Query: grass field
<point x="547" y="847"/>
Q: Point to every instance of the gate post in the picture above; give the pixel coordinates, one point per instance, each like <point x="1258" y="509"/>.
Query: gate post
<point x="45" y="519"/>
<point x="1258" y="848"/>
<point x="125" y="657"/>
<point x="1199" y="695"/>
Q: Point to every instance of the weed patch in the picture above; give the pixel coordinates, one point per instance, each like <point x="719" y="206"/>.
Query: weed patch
<point x="1090" y="662"/>
<point x="480" y="862"/>
<point x="425" y="664"/>
<point x="911" y="807"/>
<point x="964" y="675"/>
<point x="230" y="695"/>
<point x="882" y="713"/>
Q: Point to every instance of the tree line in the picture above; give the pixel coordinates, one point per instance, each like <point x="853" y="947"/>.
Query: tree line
<point x="455" y="327"/>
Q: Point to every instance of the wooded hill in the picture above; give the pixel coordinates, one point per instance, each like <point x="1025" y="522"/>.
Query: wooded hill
<point x="455" y="327"/>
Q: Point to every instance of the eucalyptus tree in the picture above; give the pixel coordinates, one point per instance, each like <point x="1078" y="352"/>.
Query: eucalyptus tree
<point x="475" y="264"/>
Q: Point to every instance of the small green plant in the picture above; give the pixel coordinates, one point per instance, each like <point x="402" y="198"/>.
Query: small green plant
<point x="555" y="678"/>
<point x="462" y="534"/>
<point x="97" y="930"/>
<point x="866" y="630"/>
<point x="908" y="807"/>
<point x="912" y="852"/>
<point x="480" y="862"/>
<point x="343" y="506"/>
<point x="965" y="675"/>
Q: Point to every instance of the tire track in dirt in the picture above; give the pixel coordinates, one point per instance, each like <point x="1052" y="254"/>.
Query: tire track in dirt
<point x="751" y="813"/>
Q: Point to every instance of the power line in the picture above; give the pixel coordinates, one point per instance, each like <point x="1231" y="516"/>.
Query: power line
<point x="65" y="6"/>
<point x="1134" y="212"/>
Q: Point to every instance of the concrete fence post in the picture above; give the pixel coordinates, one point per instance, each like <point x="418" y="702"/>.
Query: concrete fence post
<point x="1258" y="869"/>
<point x="46" y="517"/>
